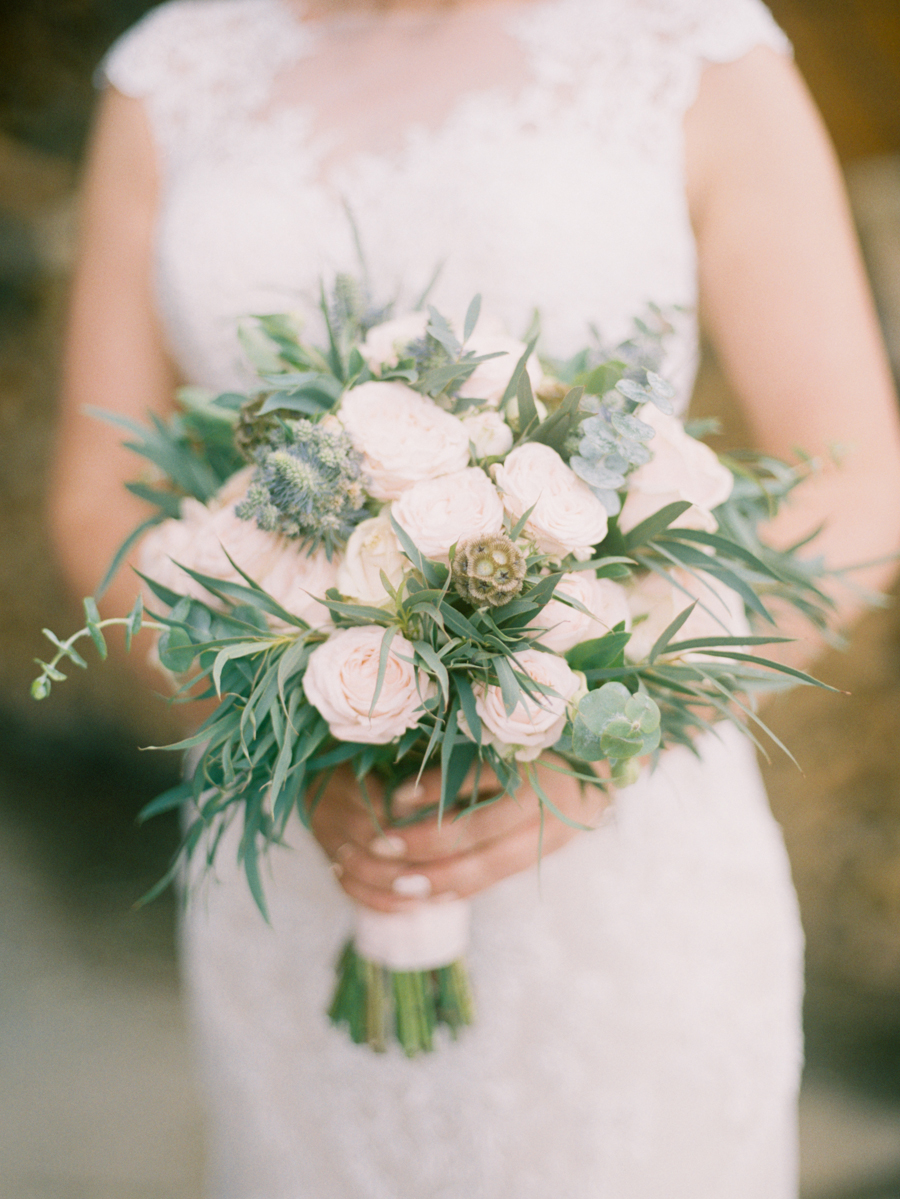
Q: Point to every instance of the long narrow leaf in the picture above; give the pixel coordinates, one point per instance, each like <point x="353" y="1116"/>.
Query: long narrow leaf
<point x="509" y="686"/>
<point x="383" y="658"/>
<point x="669" y="632"/>
<point x="800" y="675"/>
<point x="648" y="529"/>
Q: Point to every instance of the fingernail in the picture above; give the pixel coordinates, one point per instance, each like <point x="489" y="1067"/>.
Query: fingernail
<point x="407" y="795"/>
<point x="412" y="886"/>
<point x="388" y="846"/>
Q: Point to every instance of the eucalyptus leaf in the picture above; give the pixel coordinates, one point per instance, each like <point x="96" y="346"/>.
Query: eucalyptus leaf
<point x="586" y="745"/>
<point x="176" y="650"/>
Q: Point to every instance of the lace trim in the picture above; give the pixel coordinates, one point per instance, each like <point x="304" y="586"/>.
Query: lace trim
<point x="202" y="65"/>
<point x="208" y="69"/>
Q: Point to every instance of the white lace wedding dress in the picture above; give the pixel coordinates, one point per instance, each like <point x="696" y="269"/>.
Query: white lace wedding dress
<point x="638" y="1027"/>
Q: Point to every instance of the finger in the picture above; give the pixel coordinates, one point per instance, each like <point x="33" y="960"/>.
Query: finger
<point x="376" y="897"/>
<point x="520" y="850"/>
<point x="462" y="873"/>
<point x="465" y="831"/>
<point x="424" y="791"/>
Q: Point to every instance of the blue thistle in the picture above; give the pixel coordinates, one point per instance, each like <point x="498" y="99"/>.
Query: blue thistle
<point x="307" y="486"/>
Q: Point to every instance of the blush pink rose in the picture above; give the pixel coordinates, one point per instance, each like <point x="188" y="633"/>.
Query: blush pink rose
<point x="373" y="547"/>
<point x="298" y="581"/>
<point x="490" y="379"/>
<point x="655" y="601"/>
<point x="203" y="539"/>
<point x="340" y="682"/>
<point x="439" y="512"/>
<point x="403" y="437"/>
<point x="488" y="433"/>
<point x="682" y="468"/>
<point x="533" y="725"/>
<point x="566" y="626"/>
<point x="567" y="517"/>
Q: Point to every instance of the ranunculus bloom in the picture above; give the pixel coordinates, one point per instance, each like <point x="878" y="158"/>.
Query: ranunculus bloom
<point x="566" y="626"/>
<point x="682" y="468"/>
<point x="340" y="682"/>
<point x="490" y="435"/>
<point x="534" y="724"/>
<point x="439" y="512"/>
<point x="567" y="517"/>
<point x="384" y="342"/>
<point x="404" y="437"/>
<point x="490" y="379"/>
<point x="719" y="612"/>
<point x="373" y="547"/>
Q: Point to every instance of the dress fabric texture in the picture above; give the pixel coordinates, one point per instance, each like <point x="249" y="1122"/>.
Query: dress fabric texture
<point x="638" y="996"/>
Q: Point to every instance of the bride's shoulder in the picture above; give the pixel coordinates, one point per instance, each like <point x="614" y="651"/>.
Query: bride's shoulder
<point x="196" y="38"/>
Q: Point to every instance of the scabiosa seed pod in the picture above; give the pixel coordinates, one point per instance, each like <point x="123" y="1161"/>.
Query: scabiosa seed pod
<point x="488" y="570"/>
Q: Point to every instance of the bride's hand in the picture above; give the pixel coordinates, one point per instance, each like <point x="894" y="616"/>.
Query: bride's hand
<point x="391" y="869"/>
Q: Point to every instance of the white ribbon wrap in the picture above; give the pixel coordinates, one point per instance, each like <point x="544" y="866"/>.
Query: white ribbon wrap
<point x="424" y="938"/>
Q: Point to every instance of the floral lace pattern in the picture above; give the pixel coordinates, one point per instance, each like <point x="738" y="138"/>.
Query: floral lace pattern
<point x="642" y="1031"/>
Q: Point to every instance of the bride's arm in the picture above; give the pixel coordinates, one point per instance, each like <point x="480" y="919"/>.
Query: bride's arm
<point x="787" y="306"/>
<point x="785" y="300"/>
<point x="114" y="356"/>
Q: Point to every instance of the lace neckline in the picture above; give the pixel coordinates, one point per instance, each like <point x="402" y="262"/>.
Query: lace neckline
<point x="348" y="118"/>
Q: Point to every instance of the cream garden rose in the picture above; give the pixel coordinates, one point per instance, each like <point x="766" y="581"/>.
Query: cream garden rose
<point x="489" y="434"/>
<point x="655" y="601"/>
<point x="567" y="517"/>
<point x="373" y="547"/>
<point x="341" y="678"/>
<point x="533" y="725"/>
<point x="384" y="342"/>
<point x="566" y="626"/>
<point x="298" y="581"/>
<point x="682" y="468"/>
<point x="439" y="512"/>
<point x="403" y="437"/>
<point x="203" y="539"/>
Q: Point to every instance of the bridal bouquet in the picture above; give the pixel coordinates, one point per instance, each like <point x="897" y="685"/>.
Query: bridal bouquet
<point x="425" y="546"/>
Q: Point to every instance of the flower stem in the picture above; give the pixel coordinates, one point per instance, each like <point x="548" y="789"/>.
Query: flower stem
<point x="379" y="1005"/>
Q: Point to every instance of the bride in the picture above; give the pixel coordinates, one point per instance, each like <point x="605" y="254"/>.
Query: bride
<point x="639" y="1030"/>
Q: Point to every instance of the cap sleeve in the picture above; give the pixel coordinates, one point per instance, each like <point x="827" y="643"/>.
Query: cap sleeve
<point x="727" y="29"/>
<point x="200" y="64"/>
<point x="145" y="55"/>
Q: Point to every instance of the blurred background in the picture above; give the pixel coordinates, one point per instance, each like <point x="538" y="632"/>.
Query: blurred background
<point x="94" y="1065"/>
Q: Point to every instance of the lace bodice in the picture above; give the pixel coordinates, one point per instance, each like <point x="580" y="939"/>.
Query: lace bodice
<point x="558" y="183"/>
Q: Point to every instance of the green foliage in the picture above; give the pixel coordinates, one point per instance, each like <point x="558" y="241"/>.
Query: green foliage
<point x="615" y="725"/>
<point x="264" y="751"/>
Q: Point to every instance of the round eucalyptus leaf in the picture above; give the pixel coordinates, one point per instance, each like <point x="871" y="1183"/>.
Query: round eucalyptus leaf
<point x="598" y="707"/>
<point x="585" y="744"/>
<point x="643" y="712"/>
<point x="176" y="651"/>
<point x="620" y="739"/>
